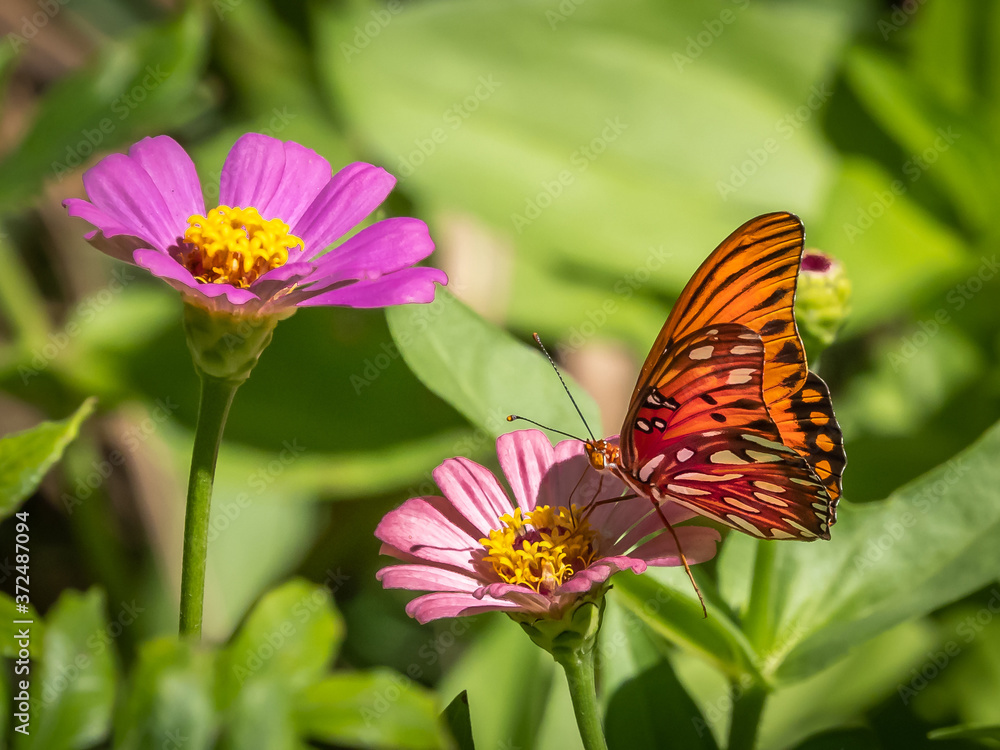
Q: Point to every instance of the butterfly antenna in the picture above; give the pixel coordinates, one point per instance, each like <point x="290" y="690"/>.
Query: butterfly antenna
<point x="687" y="568"/>
<point x="538" y="340"/>
<point x="515" y="418"/>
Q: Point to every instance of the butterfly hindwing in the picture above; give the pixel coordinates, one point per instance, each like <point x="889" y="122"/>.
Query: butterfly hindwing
<point x="702" y="436"/>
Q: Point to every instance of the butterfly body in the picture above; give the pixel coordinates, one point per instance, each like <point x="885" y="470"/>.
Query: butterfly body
<point x="726" y="418"/>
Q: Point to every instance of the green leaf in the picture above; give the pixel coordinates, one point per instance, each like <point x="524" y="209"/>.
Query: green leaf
<point x="483" y="371"/>
<point x="73" y="689"/>
<point x="261" y="717"/>
<point x="169" y="700"/>
<point x="145" y="84"/>
<point x="838" y="739"/>
<point x="652" y="706"/>
<point x="27" y="456"/>
<point x="370" y="709"/>
<point x="678" y="617"/>
<point x="291" y="636"/>
<point x="927" y="545"/>
<point x="967" y="732"/>
<point x="459" y="723"/>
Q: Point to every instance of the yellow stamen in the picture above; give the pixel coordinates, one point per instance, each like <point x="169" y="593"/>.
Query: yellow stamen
<point x="235" y="246"/>
<point x="542" y="549"/>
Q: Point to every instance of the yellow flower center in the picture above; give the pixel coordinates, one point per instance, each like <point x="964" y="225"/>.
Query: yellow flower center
<point x="235" y="246"/>
<point x="542" y="549"/>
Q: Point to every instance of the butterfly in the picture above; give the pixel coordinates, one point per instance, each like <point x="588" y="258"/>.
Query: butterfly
<point x="726" y="419"/>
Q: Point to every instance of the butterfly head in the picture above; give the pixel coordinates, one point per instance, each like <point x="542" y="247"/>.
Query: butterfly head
<point x="601" y="454"/>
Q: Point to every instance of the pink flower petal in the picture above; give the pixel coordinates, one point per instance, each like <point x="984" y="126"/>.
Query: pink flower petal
<point x="525" y="457"/>
<point x="252" y="172"/>
<point x="110" y="237"/>
<point x="121" y="189"/>
<point x="430" y="529"/>
<point x="599" y="572"/>
<point x="306" y="173"/>
<point x="698" y="543"/>
<point x="165" y="267"/>
<point x="426" y="578"/>
<point x="474" y="492"/>
<point x="399" y="288"/>
<point x="447" y="604"/>
<point x="173" y="173"/>
<point x="353" y="193"/>
<point x="382" y="248"/>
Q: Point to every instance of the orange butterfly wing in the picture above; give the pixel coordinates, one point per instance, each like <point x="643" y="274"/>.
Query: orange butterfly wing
<point x="750" y="280"/>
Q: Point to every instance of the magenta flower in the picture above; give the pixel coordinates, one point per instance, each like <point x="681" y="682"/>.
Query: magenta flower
<point x="475" y="552"/>
<point x="262" y="250"/>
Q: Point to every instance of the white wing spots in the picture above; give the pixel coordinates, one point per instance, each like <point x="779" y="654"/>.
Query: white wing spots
<point x="713" y="332"/>
<point x="740" y="376"/>
<point x="680" y="489"/>
<point x="805" y="482"/>
<point x="779" y="534"/>
<point x="659" y="424"/>
<point x="768" y="487"/>
<point x="767" y="443"/>
<point x="744" y="524"/>
<point x="699" y="511"/>
<point x="820" y="507"/>
<point x="642" y="424"/>
<point x="805" y="532"/>
<point x="684" y="454"/>
<point x="650" y="466"/>
<point x="748" y="336"/>
<point x="763" y="458"/>
<point x="735" y="502"/>
<point x="776" y="502"/>
<point x="702" y="352"/>
<point x="696" y="476"/>
<point x="745" y="350"/>
<point x="712" y="433"/>
<point x="725" y="457"/>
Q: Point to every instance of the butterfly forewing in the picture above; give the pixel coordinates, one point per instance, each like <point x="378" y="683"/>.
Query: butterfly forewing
<point x="702" y="436"/>
<point x="748" y="279"/>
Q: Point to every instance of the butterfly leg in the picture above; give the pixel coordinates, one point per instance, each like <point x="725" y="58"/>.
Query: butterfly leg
<point x="687" y="568"/>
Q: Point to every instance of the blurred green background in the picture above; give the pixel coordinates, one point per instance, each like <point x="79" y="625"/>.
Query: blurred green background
<point x="575" y="160"/>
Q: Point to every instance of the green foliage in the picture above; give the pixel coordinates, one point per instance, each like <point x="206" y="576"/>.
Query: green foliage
<point x="25" y="458"/>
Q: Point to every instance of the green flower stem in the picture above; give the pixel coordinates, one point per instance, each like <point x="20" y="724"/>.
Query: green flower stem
<point x="745" y="720"/>
<point x="579" y="667"/>
<point x="216" y="398"/>
<point x="757" y="624"/>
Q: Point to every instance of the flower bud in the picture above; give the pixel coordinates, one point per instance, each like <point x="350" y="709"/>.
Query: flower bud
<point x="822" y="300"/>
<point x="226" y="346"/>
<point x="574" y="634"/>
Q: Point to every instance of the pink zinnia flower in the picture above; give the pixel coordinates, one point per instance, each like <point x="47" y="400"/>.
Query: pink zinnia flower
<point x="476" y="552"/>
<point x="261" y="250"/>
